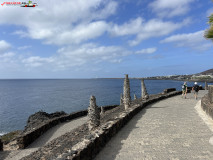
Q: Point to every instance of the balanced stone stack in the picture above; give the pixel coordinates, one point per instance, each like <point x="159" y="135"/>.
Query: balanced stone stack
<point x="126" y="93"/>
<point x="144" y="94"/>
<point x="206" y="86"/>
<point x="102" y="110"/>
<point x="211" y="93"/>
<point x="93" y="114"/>
<point x="1" y="145"/>
<point x="135" y="97"/>
<point x="121" y="99"/>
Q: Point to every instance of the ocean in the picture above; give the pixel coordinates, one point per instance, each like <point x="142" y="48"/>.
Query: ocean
<point x="21" y="98"/>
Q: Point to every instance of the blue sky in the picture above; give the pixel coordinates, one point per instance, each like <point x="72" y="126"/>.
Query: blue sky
<point x="104" y="38"/>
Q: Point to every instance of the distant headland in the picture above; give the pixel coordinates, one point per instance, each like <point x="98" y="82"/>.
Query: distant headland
<point x="200" y="77"/>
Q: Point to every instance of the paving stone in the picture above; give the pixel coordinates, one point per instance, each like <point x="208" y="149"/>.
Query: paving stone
<point x="169" y="129"/>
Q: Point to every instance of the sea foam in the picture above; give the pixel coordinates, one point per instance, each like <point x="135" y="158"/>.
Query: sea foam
<point x="2" y="133"/>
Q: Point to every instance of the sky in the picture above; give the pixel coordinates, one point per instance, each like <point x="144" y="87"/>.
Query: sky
<point x="104" y="38"/>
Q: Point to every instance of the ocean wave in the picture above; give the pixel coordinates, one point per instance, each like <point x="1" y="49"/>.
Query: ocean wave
<point x="2" y="133"/>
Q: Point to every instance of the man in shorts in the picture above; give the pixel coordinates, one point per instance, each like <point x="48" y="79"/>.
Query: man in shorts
<point x="195" y="88"/>
<point x="184" y="89"/>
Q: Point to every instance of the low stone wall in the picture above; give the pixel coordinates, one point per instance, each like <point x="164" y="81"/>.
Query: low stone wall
<point x="93" y="143"/>
<point x="27" y="138"/>
<point x="207" y="103"/>
<point x="210" y="88"/>
<point x="1" y="145"/>
<point x="168" y="90"/>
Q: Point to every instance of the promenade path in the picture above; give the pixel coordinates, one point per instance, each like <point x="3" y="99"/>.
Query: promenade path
<point x="172" y="129"/>
<point x="48" y="136"/>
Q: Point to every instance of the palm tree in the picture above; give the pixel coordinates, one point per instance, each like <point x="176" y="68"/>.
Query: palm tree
<point x="209" y="32"/>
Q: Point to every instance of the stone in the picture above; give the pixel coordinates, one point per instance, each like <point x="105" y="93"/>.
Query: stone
<point x="135" y="97"/>
<point x="93" y="114"/>
<point x="126" y="93"/>
<point x="144" y="94"/>
<point x="121" y="99"/>
<point x="1" y="145"/>
<point x="211" y="93"/>
<point x="102" y="110"/>
<point x="206" y="86"/>
<point x="40" y="118"/>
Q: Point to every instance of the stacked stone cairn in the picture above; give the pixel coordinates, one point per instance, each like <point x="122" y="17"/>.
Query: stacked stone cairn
<point x="144" y="94"/>
<point x="121" y="99"/>
<point x="102" y="110"/>
<point x="206" y="86"/>
<point x="211" y="93"/>
<point x="126" y="93"/>
<point x="135" y="97"/>
<point x="93" y="114"/>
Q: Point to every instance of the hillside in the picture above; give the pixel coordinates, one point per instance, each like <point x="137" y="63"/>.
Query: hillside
<point x="207" y="72"/>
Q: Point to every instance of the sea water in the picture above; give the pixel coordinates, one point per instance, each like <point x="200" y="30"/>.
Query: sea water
<point x="21" y="98"/>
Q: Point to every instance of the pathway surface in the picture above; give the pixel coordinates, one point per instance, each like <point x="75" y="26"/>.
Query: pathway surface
<point x="51" y="134"/>
<point x="167" y="130"/>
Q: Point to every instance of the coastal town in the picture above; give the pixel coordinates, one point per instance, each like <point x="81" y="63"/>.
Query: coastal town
<point x="203" y="76"/>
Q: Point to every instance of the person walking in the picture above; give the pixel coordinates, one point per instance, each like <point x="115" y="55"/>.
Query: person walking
<point x="184" y="89"/>
<point x="195" y="88"/>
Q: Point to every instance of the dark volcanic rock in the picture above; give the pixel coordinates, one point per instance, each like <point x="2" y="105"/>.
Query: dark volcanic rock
<point x="39" y="118"/>
<point x="1" y="145"/>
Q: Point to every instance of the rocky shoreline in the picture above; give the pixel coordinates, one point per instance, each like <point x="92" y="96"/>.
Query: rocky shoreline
<point x="38" y="119"/>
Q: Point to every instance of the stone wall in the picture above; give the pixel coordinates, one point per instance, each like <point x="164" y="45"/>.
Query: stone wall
<point x="89" y="147"/>
<point x="27" y="138"/>
<point x="207" y="102"/>
<point x="210" y="88"/>
<point x="168" y="90"/>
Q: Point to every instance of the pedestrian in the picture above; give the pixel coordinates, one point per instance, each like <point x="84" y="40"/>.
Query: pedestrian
<point x="195" y="88"/>
<point x="184" y="89"/>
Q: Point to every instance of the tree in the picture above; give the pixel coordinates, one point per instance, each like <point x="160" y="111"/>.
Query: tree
<point x="209" y="32"/>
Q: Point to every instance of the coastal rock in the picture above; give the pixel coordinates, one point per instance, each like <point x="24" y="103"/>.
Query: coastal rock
<point x="1" y="145"/>
<point x="40" y="118"/>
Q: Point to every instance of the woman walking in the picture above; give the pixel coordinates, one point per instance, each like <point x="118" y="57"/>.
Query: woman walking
<point x="184" y="89"/>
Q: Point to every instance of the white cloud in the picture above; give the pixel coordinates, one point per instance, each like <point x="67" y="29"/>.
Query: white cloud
<point x="209" y="12"/>
<point x="145" y="30"/>
<point x="7" y="55"/>
<point x="146" y="51"/>
<point x="92" y="53"/>
<point x="36" y="61"/>
<point x="132" y="27"/>
<point x="194" y="40"/>
<point x="61" y="22"/>
<point x="24" y="47"/>
<point x="80" y="33"/>
<point x="171" y="8"/>
<point x="4" y="46"/>
<point x="74" y="56"/>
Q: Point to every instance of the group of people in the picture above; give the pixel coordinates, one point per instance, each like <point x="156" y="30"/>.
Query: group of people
<point x="195" y="88"/>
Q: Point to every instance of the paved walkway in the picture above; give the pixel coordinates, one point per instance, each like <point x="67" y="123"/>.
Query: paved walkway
<point x="167" y="130"/>
<point x="51" y="134"/>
